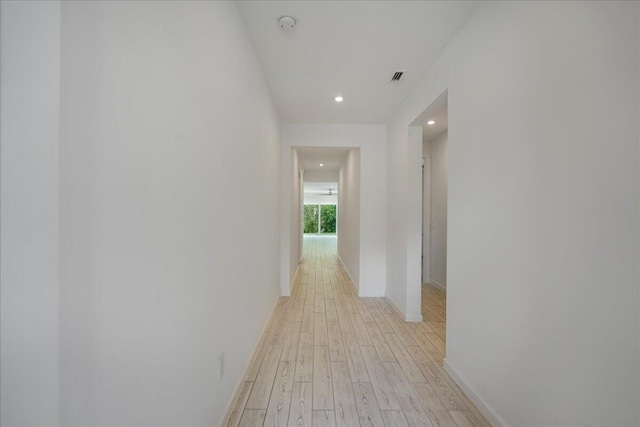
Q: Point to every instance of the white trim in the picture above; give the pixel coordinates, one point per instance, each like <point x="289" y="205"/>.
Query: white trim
<point x="372" y="295"/>
<point x="407" y="318"/>
<point x="485" y="408"/>
<point x="411" y="319"/>
<point x="353" y="283"/>
<point x="238" y="388"/>
<point x="438" y="285"/>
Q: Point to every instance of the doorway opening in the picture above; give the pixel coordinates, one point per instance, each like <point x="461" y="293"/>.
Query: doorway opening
<point x="327" y="181"/>
<point x="321" y="205"/>
<point x="434" y="126"/>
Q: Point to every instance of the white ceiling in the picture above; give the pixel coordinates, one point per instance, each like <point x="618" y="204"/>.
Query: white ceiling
<point x="317" y="193"/>
<point x="350" y="48"/>
<point x="331" y="158"/>
<point x="320" y="187"/>
<point x="441" y="119"/>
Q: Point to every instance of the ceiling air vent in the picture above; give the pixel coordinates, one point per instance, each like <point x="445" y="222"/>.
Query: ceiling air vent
<point x="397" y="75"/>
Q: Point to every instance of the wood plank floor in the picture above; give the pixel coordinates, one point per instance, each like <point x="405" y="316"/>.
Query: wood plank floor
<point x="330" y="358"/>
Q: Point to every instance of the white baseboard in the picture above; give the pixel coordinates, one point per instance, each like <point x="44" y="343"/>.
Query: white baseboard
<point x="416" y="318"/>
<point x="238" y="388"/>
<point x="407" y="318"/>
<point x="372" y="295"/>
<point x="438" y="285"/>
<point x="353" y="282"/>
<point x="491" y="415"/>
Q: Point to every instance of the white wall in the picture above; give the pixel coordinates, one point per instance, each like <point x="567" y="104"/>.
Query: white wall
<point x="291" y="248"/>
<point x="311" y="175"/>
<point x="372" y="142"/>
<point x="169" y="148"/>
<point x="542" y="292"/>
<point x="29" y="118"/>
<point x="396" y="240"/>
<point x="437" y="169"/>
<point x="349" y="214"/>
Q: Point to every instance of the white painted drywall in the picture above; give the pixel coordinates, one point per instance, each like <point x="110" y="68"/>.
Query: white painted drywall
<point x="413" y="217"/>
<point x="349" y="214"/>
<point x="404" y="226"/>
<point x="396" y="240"/>
<point x="542" y="290"/>
<point x="426" y="211"/>
<point x="169" y="210"/>
<point x="29" y="120"/>
<point x="438" y="219"/>
<point x="311" y="175"/>
<point x="292" y="252"/>
<point x="372" y="143"/>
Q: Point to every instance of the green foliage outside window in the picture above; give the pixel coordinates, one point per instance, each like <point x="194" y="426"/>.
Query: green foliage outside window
<point x="328" y="218"/>
<point x="310" y="218"/>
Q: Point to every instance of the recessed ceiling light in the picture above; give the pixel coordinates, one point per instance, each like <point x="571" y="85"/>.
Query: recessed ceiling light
<point x="321" y="164"/>
<point x="339" y="98"/>
<point x="431" y="122"/>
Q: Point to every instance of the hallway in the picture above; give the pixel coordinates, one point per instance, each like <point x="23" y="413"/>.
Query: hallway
<point x="330" y="358"/>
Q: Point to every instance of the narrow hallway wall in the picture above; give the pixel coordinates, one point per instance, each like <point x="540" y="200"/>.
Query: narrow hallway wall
<point x="169" y="210"/>
<point x="291" y="248"/>
<point x="29" y="119"/>
<point x="542" y="208"/>
<point x="439" y="176"/>
<point x="349" y="214"/>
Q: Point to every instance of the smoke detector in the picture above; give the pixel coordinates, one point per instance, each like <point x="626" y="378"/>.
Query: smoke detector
<point x="287" y="23"/>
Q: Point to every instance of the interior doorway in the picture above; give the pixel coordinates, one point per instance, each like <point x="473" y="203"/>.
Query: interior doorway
<point x="328" y="193"/>
<point x="434" y="122"/>
<point x="321" y="196"/>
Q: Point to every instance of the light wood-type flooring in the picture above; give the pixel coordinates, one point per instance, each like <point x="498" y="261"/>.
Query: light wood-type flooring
<point x="330" y="358"/>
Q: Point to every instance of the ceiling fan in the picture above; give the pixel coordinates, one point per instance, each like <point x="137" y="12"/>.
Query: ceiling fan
<point x="330" y="193"/>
